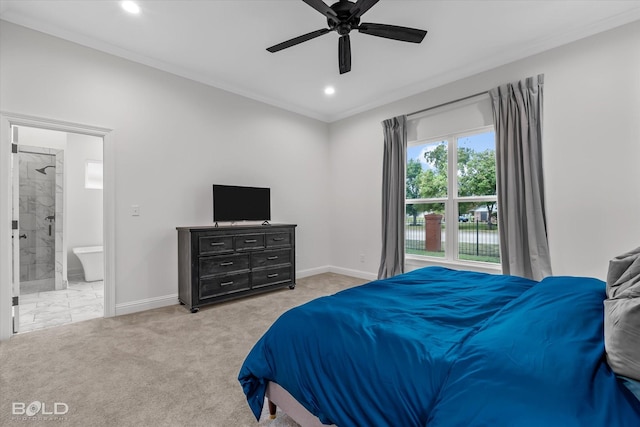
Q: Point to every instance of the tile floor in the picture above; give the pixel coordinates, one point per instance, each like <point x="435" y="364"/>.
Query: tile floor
<point x="80" y="301"/>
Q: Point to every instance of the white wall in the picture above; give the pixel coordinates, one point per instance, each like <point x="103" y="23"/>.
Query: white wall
<point x="83" y="206"/>
<point x="591" y="154"/>
<point x="42" y="138"/>
<point x="174" y="138"/>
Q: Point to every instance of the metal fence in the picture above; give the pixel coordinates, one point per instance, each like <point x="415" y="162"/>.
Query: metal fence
<point x="477" y="240"/>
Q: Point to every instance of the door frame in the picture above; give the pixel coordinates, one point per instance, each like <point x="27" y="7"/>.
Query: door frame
<point x="108" y="143"/>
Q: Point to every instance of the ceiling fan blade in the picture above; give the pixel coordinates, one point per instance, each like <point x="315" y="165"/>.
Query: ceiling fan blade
<point x="344" y="54"/>
<point x="298" y="40"/>
<point x="322" y="7"/>
<point x="361" y="7"/>
<point x="394" y="32"/>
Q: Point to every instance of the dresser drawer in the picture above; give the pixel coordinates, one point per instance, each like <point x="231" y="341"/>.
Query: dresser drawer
<point x="249" y="241"/>
<point x="278" y="239"/>
<point x="222" y="264"/>
<point x="271" y="276"/>
<point x="221" y="285"/>
<point x="270" y="258"/>
<point x="215" y="244"/>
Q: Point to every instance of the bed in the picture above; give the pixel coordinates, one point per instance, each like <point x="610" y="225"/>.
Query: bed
<point x="440" y="347"/>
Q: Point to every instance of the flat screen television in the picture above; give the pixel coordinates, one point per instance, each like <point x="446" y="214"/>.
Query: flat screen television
<point x="237" y="203"/>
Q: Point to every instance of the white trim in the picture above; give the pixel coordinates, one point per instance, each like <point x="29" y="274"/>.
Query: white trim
<point x="146" y="304"/>
<point x="312" y="271"/>
<point x="353" y="273"/>
<point x="6" y="302"/>
<point x="8" y="119"/>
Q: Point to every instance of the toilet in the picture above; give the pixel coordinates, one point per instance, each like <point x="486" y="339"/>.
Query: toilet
<point x="92" y="260"/>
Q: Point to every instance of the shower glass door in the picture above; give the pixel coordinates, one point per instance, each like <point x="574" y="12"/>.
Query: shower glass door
<point x="37" y="177"/>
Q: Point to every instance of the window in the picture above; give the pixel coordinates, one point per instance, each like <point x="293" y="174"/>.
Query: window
<point x="451" y="204"/>
<point x="93" y="175"/>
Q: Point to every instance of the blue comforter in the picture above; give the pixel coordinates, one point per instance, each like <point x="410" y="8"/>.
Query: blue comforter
<point x="440" y="347"/>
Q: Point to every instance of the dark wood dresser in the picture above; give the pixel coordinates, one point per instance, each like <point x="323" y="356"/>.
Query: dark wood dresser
<point x="221" y="263"/>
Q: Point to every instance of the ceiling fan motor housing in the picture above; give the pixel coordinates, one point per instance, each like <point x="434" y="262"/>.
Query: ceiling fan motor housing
<point x="346" y="18"/>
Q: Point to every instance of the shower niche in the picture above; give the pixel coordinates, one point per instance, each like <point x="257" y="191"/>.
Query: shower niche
<point x="40" y="218"/>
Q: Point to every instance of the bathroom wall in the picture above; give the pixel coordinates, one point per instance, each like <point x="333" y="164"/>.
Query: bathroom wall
<point x="83" y="221"/>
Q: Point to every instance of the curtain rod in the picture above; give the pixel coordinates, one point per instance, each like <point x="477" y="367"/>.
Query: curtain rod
<point x="448" y="103"/>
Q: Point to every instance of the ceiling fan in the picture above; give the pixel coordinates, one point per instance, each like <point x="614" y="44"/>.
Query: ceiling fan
<point x="343" y="17"/>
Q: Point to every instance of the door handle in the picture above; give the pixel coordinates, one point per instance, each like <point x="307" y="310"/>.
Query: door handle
<point x="23" y="236"/>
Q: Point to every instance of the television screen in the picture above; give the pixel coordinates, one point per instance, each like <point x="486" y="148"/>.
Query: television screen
<point x="236" y="203"/>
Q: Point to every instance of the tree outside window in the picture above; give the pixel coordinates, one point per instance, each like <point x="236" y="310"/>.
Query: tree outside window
<point x="455" y="178"/>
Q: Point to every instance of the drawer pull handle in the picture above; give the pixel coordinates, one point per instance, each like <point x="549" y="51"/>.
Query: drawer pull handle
<point x="250" y="241"/>
<point x="217" y="244"/>
<point x="278" y="239"/>
<point x="226" y="264"/>
<point x="226" y="283"/>
<point x="271" y="276"/>
<point x="271" y="258"/>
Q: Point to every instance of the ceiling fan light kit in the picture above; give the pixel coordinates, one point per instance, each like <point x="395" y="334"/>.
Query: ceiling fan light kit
<point x="344" y="16"/>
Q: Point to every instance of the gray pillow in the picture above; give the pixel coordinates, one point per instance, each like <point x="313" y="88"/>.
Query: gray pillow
<point x="622" y="315"/>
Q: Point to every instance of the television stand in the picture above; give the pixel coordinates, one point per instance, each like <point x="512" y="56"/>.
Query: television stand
<point x="221" y="263"/>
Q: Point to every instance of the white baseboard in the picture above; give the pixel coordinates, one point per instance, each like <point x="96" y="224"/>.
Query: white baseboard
<point x="338" y="270"/>
<point x="312" y="271"/>
<point x="354" y="273"/>
<point x="146" y="304"/>
<point x="163" y="301"/>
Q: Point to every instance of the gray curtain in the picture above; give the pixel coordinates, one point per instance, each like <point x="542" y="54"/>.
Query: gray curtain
<point x="393" y="196"/>
<point x="517" y="112"/>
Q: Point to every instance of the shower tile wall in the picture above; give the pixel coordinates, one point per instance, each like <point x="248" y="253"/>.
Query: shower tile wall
<point x="59" y="242"/>
<point x="37" y="203"/>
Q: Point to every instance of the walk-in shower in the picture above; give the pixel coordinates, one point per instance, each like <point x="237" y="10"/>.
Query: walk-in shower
<point x="39" y="181"/>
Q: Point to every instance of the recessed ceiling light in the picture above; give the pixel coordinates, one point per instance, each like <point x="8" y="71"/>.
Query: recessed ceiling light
<point x="130" y="7"/>
<point x="329" y="90"/>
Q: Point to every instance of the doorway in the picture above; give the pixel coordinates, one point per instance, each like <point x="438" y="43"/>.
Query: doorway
<point x="60" y="211"/>
<point x="52" y="161"/>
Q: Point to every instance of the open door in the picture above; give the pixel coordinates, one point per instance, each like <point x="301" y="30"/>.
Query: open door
<point x="15" y="229"/>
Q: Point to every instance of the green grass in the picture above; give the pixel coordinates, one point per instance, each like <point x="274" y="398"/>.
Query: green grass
<point x="424" y="253"/>
<point x="486" y="252"/>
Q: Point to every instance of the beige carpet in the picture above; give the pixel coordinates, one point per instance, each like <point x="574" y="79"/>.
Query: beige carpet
<point x="163" y="367"/>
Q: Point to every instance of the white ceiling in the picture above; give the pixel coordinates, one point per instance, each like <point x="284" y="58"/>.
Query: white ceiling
<point x="223" y="43"/>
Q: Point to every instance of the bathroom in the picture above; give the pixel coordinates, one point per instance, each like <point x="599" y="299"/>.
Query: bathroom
<point x="60" y="215"/>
